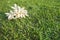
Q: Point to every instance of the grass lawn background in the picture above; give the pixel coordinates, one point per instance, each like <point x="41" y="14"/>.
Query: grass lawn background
<point x="43" y="22"/>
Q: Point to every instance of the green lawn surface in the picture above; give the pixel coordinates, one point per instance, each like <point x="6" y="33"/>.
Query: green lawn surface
<point x="43" y="22"/>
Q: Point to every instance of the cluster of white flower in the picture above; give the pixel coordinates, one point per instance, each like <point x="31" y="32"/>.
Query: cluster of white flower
<point x="16" y="12"/>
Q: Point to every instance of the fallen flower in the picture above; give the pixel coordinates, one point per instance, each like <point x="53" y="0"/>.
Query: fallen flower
<point x="16" y="12"/>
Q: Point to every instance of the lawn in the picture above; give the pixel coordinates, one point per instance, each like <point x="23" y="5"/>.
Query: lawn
<point x="43" y="22"/>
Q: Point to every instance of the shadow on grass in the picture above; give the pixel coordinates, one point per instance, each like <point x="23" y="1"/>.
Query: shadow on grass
<point x="3" y="16"/>
<point x="2" y="19"/>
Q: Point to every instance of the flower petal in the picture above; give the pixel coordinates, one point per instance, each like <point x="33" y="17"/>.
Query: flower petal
<point x="7" y="14"/>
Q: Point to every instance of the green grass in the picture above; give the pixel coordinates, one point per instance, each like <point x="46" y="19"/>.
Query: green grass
<point x="43" y="22"/>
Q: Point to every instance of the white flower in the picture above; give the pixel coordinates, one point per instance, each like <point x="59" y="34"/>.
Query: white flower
<point x="16" y="12"/>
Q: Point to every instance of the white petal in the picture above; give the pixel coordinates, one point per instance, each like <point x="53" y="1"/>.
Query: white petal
<point x="11" y="12"/>
<point x="7" y="14"/>
<point x="19" y="9"/>
<point x="23" y="15"/>
<point x="10" y="17"/>
<point x="15" y="5"/>
<point x="25" y="11"/>
<point x="27" y="15"/>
